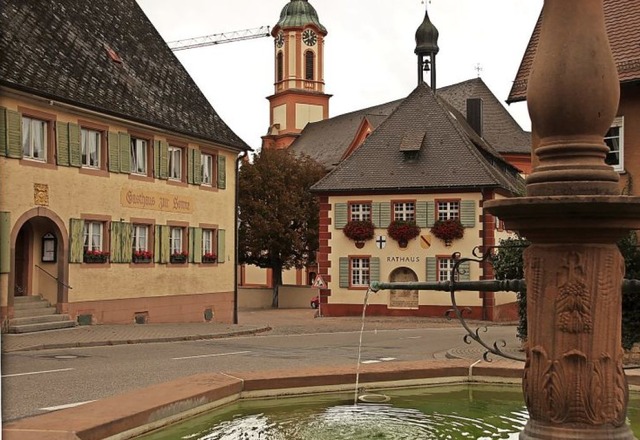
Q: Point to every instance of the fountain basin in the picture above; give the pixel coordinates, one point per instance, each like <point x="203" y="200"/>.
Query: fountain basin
<point x="136" y="412"/>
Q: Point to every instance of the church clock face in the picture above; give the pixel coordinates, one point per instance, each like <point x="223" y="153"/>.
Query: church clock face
<point x="309" y="37"/>
<point x="279" y="39"/>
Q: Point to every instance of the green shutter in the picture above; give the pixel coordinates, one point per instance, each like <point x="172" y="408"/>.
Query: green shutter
<point x="127" y="242"/>
<point x="114" y="152"/>
<point x="222" y="171"/>
<point x="3" y="131"/>
<point x="385" y="215"/>
<point x="156" y="159"/>
<point x="165" y="250"/>
<point x="464" y="271"/>
<point x="121" y="242"/>
<point x="421" y="214"/>
<point x="14" y="134"/>
<point x="164" y="160"/>
<point x="62" y="136"/>
<point x="375" y="214"/>
<point x="76" y="240"/>
<point x="191" y="244"/>
<point x="197" y="167"/>
<point x="5" y="242"/>
<point x="344" y="272"/>
<point x="75" y="153"/>
<point x="157" y="243"/>
<point x="431" y="213"/>
<point x="221" y="246"/>
<point x="340" y="217"/>
<point x="374" y="269"/>
<point x="190" y="176"/>
<point x="468" y="213"/>
<point x="197" y="245"/>
<point x="431" y="268"/>
<point x="125" y="152"/>
<point x="116" y="242"/>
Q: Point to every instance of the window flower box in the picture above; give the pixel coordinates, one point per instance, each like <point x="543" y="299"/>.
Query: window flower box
<point x="448" y="230"/>
<point x="179" y="257"/>
<point x="402" y="231"/>
<point x="95" y="257"/>
<point x="209" y="258"/>
<point x="141" y="256"/>
<point x="359" y="231"/>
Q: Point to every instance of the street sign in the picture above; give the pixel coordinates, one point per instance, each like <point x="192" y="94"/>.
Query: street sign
<point x="319" y="283"/>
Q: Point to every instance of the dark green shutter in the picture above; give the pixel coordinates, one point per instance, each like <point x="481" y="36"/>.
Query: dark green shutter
<point x="156" y="159"/>
<point x="431" y="214"/>
<point x="3" y="131"/>
<point x="157" y="243"/>
<point x="125" y="152"/>
<point x="5" y="240"/>
<point x="114" y="152"/>
<point x="197" y="245"/>
<point x="340" y="215"/>
<point x="190" y="176"/>
<point x="62" y="137"/>
<point x="14" y="134"/>
<point x="385" y="215"/>
<point x="76" y="240"/>
<point x="374" y="269"/>
<point x="344" y="272"/>
<point x="421" y="214"/>
<point x="197" y="167"/>
<point x="75" y="152"/>
<point x="222" y="172"/>
<point x="164" y="160"/>
<point x="221" y="246"/>
<point x="432" y="268"/>
<point x="191" y="244"/>
<point x="468" y="213"/>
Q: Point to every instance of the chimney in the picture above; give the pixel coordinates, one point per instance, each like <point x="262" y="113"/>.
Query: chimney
<point x="474" y="114"/>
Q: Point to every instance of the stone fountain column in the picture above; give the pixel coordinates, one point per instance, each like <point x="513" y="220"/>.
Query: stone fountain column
<point x="574" y="383"/>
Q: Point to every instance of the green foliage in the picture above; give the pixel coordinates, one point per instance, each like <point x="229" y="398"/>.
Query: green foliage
<point x="279" y="217"/>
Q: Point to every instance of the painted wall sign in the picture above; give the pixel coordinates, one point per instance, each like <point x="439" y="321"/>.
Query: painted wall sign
<point x="143" y="199"/>
<point x="403" y="259"/>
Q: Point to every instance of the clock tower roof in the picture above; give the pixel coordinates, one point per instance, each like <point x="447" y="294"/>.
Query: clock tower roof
<point x="299" y="13"/>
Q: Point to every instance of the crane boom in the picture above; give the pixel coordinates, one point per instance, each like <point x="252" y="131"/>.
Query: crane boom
<point x="224" y="37"/>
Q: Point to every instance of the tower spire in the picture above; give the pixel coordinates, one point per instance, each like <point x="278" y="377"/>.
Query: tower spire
<point x="427" y="48"/>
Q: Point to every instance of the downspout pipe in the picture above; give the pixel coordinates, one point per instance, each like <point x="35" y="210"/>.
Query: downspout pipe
<point x="236" y="225"/>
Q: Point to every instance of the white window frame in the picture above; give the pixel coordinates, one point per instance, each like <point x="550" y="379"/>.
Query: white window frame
<point x="448" y="210"/>
<point x="91" y="144"/>
<point x="208" y="241"/>
<point x="207" y="169"/>
<point x="360" y="272"/>
<point x="139" y="156"/>
<point x="140" y="237"/>
<point x="445" y="265"/>
<point x="360" y="211"/>
<point x="618" y="123"/>
<point x="93" y="235"/>
<point x="175" y="240"/>
<point x="404" y="211"/>
<point x="175" y="163"/>
<point x="34" y="139"/>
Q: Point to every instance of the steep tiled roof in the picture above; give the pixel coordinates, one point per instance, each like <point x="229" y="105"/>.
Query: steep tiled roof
<point x="498" y="128"/>
<point x="60" y="50"/>
<point x="326" y="141"/>
<point x="622" y="19"/>
<point x="450" y="157"/>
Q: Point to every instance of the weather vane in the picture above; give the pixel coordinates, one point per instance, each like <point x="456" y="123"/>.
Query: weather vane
<point x="478" y="69"/>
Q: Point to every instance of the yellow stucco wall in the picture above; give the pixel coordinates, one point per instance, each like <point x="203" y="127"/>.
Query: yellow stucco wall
<point x="73" y="194"/>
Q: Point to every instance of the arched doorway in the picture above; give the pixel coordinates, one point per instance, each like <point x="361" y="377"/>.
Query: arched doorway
<point x="403" y="298"/>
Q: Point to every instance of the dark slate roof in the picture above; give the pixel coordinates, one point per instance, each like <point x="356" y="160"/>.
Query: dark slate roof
<point x="498" y="128"/>
<point x="326" y="141"/>
<point x="451" y="156"/>
<point x="622" y="19"/>
<point x="58" y="49"/>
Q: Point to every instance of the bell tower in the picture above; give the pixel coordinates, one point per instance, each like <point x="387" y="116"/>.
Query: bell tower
<point x="298" y="96"/>
<point x="426" y="49"/>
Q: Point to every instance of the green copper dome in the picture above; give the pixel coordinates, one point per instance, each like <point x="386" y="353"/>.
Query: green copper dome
<point x="299" y="13"/>
<point x="426" y="37"/>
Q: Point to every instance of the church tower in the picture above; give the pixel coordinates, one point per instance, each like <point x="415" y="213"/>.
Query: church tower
<point x="299" y="96"/>
<point x="426" y="49"/>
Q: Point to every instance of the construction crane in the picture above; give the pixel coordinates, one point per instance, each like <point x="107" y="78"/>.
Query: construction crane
<point x="224" y="37"/>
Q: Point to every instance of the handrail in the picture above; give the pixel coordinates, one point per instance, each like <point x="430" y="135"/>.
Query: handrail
<point x="57" y="280"/>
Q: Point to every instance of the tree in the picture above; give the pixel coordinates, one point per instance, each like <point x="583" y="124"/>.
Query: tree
<point x="278" y="215"/>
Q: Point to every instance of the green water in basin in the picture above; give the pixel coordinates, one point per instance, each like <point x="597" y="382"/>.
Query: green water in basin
<point x="451" y="412"/>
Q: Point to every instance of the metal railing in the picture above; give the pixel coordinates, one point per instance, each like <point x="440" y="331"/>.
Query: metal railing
<point x="55" y="278"/>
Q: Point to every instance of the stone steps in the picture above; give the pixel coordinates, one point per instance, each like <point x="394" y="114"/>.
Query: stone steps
<point x="33" y="313"/>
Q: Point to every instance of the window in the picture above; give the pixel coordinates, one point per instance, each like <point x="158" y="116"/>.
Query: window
<point x="139" y="156"/>
<point x="280" y="64"/>
<point x="615" y="141"/>
<point x="360" y="211"/>
<point x="207" y="169"/>
<point x="90" y="142"/>
<point x="404" y="211"/>
<point x="34" y="139"/>
<point x="360" y="272"/>
<point x="445" y="266"/>
<point x="208" y="246"/>
<point x="140" y="238"/>
<point x="308" y="64"/>
<point x="93" y="236"/>
<point x="175" y="240"/>
<point x="175" y="163"/>
<point x="448" y="210"/>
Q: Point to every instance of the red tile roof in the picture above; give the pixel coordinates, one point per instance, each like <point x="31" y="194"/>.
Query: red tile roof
<point x="622" y="18"/>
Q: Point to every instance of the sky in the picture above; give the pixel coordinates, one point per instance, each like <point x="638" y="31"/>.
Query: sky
<point x="369" y="58"/>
